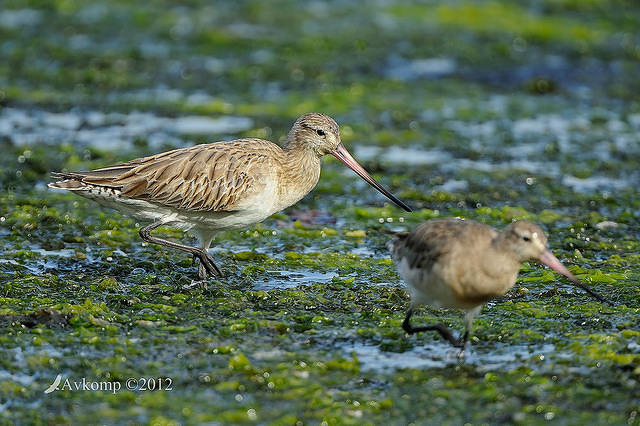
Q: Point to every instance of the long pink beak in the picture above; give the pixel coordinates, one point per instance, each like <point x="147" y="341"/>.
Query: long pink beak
<point x="552" y="262"/>
<point x="343" y="155"/>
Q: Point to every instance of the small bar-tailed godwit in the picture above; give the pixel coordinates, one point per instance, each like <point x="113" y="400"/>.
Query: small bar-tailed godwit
<point x="212" y="187"/>
<point x="451" y="263"/>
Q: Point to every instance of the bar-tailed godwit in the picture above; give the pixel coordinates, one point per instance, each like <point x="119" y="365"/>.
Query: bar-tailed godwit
<point x="451" y="263"/>
<point x="217" y="186"/>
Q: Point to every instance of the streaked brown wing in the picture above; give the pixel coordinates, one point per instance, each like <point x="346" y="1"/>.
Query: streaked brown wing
<point x="212" y="177"/>
<point x="423" y="247"/>
<point x="437" y="238"/>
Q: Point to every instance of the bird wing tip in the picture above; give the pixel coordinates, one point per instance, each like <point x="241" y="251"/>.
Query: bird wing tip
<point x="68" y="184"/>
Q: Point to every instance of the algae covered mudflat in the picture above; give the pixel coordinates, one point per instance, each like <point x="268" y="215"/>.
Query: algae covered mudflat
<point x="492" y="111"/>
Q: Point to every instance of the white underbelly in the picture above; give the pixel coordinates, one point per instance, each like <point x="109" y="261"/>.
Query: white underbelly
<point x="181" y="218"/>
<point x="426" y="287"/>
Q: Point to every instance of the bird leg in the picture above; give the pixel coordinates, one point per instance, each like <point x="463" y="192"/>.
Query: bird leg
<point x="468" y="321"/>
<point x="440" y="328"/>
<point x="207" y="263"/>
<point x="462" y="344"/>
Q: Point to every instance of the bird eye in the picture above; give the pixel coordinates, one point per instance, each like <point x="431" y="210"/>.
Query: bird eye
<point x="320" y="132"/>
<point x="526" y="238"/>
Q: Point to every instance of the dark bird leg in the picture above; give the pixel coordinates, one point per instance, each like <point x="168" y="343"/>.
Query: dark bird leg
<point x="440" y="328"/>
<point x="207" y="263"/>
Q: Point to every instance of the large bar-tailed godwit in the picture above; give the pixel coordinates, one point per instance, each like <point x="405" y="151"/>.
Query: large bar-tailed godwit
<point x="218" y="186"/>
<point x="451" y="263"/>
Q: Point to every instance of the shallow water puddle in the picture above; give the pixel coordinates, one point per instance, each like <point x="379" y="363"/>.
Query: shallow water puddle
<point x="443" y="160"/>
<point x="439" y="355"/>
<point x="54" y="253"/>
<point x="110" y="131"/>
<point x="404" y="155"/>
<point x="548" y="144"/>
<point x="291" y="279"/>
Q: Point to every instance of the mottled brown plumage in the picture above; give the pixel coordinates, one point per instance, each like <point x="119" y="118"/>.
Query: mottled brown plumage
<point x="210" y="177"/>
<point x="450" y="263"/>
<point x="216" y="186"/>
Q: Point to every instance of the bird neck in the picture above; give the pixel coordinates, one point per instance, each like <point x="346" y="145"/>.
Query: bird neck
<point x="300" y="174"/>
<point x="502" y="243"/>
<point x="501" y="261"/>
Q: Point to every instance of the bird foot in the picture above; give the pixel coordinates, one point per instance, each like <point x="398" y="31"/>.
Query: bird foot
<point x="459" y="344"/>
<point x="462" y="343"/>
<point x="462" y="353"/>
<point x="207" y="265"/>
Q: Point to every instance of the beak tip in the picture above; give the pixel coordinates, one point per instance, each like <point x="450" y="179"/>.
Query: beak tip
<point x="552" y="262"/>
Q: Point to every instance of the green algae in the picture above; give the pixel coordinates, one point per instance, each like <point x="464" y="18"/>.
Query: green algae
<point x="281" y="354"/>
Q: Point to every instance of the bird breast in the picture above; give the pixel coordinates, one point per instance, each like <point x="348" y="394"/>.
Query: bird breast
<point x="477" y="281"/>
